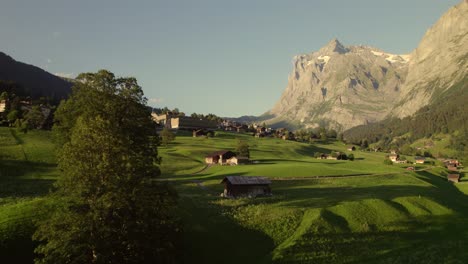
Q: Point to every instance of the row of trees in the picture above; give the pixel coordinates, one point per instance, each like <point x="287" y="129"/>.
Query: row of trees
<point x="109" y="207"/>
<point x="25" y="116"/>
<point x="317" y="133"/>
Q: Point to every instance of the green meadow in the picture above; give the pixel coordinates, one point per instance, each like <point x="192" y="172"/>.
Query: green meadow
<point x="321" y="211"/>
<point x="27" y="171"/>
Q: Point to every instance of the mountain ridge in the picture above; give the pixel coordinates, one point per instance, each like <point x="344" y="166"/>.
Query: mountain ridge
<point x="36" y="81"/>
<point x="345" y="86"/>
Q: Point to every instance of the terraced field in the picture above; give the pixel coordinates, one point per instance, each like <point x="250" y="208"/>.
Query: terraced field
<point x="322" y="211"/>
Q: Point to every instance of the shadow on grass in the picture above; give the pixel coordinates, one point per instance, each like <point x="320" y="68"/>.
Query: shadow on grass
<point x="276" y="161"/>
<point x="432" y="239"/>
<point x="25" y="178"/>
<point x="210" y="228"/>
<point x="293" y="193"/>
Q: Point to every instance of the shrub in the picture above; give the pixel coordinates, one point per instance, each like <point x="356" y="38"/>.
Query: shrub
<point x="388" y="162"/>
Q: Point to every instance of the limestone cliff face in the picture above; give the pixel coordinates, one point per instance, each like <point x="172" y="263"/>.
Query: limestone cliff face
<point x="344" y="86"/>
<point x="440" y="60"/>
<point x="341" y="87"/>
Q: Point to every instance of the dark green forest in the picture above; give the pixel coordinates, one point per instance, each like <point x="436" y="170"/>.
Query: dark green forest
<point x="446" y="114"/>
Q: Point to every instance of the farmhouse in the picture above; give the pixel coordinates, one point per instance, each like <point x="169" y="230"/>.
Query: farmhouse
<point x="183" y="122"/>
<point x="420" y="160"/>
<point x="248" y="186"/>
<point x="219" y="157"/>
<point x="453" y="177"/>
<point x="322" y="156"/>
<point x="394" y="157"/>
<point x="2" y="106"/>
<point x="451" y="162"/>
<point x="237" y="160"/>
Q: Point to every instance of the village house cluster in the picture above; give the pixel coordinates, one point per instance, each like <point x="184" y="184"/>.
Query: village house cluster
<point x="172" y="121"/>
<point x="453" y="166"/>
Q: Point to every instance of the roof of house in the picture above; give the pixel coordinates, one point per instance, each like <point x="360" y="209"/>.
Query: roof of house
<point x="217" y="153"/>
<point x="246" y="180"/>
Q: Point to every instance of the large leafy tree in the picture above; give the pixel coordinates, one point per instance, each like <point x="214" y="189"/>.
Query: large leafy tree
<point x="111" y="210"/>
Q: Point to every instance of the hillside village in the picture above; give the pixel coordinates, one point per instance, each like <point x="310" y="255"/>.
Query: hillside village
<point x="361" y="160"/>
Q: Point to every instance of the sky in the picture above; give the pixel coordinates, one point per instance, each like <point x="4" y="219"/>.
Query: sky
<point x="230" y="58"/>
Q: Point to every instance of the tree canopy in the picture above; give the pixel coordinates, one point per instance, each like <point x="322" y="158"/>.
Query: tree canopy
<point x="110" y="208"/>
<point x="242" y="149"/>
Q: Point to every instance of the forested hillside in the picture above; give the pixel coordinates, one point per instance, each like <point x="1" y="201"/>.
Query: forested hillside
<point x="448" y="114"/>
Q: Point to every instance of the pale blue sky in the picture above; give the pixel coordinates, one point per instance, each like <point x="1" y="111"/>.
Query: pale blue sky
<point x="230" y="58"/>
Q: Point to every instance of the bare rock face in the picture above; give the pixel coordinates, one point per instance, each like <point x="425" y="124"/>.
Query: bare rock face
<point x="341" y="87"/>
<point x="440" y="60"/>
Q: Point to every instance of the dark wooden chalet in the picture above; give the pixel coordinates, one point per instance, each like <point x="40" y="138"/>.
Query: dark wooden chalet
<point x="246" y="186"/>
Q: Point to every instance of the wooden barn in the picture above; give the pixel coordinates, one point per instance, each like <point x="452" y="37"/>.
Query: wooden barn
<point x="219" y="157"/>
<point x="238" y="160"/>
<point x="246" y="186"/>
<point x="420" y="160"/>
<point x="453" y="177"/>
<point x="394" y="157"/>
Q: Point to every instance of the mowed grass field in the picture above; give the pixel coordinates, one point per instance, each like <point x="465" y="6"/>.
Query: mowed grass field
<point x="27" y="172"/>
<point x="322" y="211"/>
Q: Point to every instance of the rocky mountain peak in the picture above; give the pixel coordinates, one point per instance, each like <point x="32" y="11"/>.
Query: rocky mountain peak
<point x="341" y="87"/>
<point x="334" y="46"/>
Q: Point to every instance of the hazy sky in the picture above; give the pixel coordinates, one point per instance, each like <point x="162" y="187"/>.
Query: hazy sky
<point x="230" y="58"/>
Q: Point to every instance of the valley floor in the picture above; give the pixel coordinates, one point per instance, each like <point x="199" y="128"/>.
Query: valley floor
<point x="321" y="211"/>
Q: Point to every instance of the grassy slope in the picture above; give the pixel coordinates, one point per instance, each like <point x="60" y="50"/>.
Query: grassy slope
<point x="392" y="216"/>
<point x="27" y="170"/>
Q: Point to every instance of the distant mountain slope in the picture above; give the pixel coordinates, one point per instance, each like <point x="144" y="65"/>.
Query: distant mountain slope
<point x="439" y="61"/>
<point x="447" y="114"/>
<point x="33" y="79"/>
<point x="345" y="86"/>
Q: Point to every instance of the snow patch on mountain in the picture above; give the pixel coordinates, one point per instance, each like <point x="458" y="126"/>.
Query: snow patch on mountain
<point x="324" y="58"/>
<point x="392" y="58"/>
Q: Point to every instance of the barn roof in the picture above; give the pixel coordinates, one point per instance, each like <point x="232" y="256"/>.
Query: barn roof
<point x="453" y="176"/>
<point x="246" y="180"/>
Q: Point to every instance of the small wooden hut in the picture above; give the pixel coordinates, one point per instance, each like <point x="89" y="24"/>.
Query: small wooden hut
<point x="246" y="186"/>
<point x="453" y="177"/>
